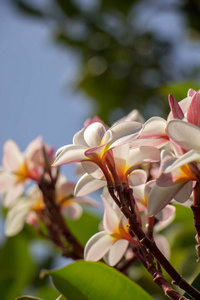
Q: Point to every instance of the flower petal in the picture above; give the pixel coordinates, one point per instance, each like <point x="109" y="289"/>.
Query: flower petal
<point x="88" y="184"/>
<point x="186" y="158"/>
<point x="159" y="197"/>
<point x="184" y="134"/>
<point x="97" y="246"/>
<point x="116" y="252"/>
<point x="94" y="134"/>
<point x="141" y="155"/>
<point x="137" y="177"/>
<point x="70" y="154"/>
<point x="16" y="217"/>
<point x="177" y="112"/>
<point x="12" y="158"/>
<point x="193" y="113"/>
<point x="184" y="194"/>
<point x="72" y="210"/>
<point x="125" y="132"/>
<point x="13" y="193"/>
<point x="110" y="218"/>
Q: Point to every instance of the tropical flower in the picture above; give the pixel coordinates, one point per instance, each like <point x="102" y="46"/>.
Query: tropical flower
<point x="93" y="141"/>
<point x="18" y="168"/>
<point x="111" y="243"/>
<point x="126" y="161"/>
<point x="27" y="209"/>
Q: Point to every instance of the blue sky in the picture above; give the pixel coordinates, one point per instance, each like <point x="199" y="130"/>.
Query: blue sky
<point x="36" y="84"/>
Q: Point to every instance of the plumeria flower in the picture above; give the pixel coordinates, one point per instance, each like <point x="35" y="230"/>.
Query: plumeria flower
<point x="111" y="243"/>
<point x="93" y="141"/>
<point x="126" y="161"/>
<point x="18" y="168"/>
<point x="28" y="209"/>
<point x="175" y="182"/>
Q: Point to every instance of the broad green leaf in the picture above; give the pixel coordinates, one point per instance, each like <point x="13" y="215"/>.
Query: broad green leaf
<point x="95" y="280"/>
<point x="195" y="284"/>
<point x="84" y="227"/>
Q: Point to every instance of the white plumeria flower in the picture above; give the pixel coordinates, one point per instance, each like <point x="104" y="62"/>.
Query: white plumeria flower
<point x="92" y="142"/>
<point x="174" y="182"/>
<point x="26" y="209"/>
<point x="112" y="242"/>
<point x="126" y="161"/>
<point x="18" y="168"/>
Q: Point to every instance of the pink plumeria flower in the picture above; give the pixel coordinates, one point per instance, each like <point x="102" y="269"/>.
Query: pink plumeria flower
<point x="126" y="161"/>
<point x="92" y="142"/>
<point x="18" y="168"/>
<point x="111" y="243"/>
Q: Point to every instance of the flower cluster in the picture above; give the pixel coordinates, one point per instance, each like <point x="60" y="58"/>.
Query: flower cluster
<point x="143" y="168"/>
<point x="157" y="162"/>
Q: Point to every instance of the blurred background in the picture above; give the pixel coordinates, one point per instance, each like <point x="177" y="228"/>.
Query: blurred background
<point x="63" y="61"/>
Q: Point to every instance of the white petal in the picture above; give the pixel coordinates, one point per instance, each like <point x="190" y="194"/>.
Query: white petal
<point x="72" y="211"/>
<point x="78" y="138"/>
<point x="159" y="197"/>
<point x="186" y="158"/>
<point x="92" y="169"/>
<point x="88" y="184"/>
<point x="97" y="246"/>
<point x="110" y="218"/>
<point x="16" y="217"/>
<point x="184" y="194"/>
<point x="7" y="180"/>
<point x="70" y="154"/>
<point x="116" y="252"/>
<point x="141" y="155"/>
<point x="166" y="212"/>
<point x="185" y="134"/>
<point x="137" y="177"/>
<point x="13" y="193"/>
<point x="94" y="134"/>
<point x="125" y="132"/>
<point x="163" y="245"/>
<point x="12" y="158"/>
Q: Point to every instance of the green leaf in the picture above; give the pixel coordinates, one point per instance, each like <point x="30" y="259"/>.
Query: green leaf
<point x="195" y="284"/>
<point x="27" y="298"/>
<point x="84" y="227"/>
<point x="95" y="280"/>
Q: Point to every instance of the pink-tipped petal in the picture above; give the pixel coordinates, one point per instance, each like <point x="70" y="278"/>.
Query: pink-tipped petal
<point x="116" y="252"/>
<point x="12" y="158"/>
<point x="184" y="134"/>
<point x="177" y="112"/>
<point x="191" y="93"/>
<point x="193" y="113"/>
<point x="7" y="180"/>
<point x="97" y="246"/>
<point x="70" y="154"/>
<point x="88" y="184"/>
